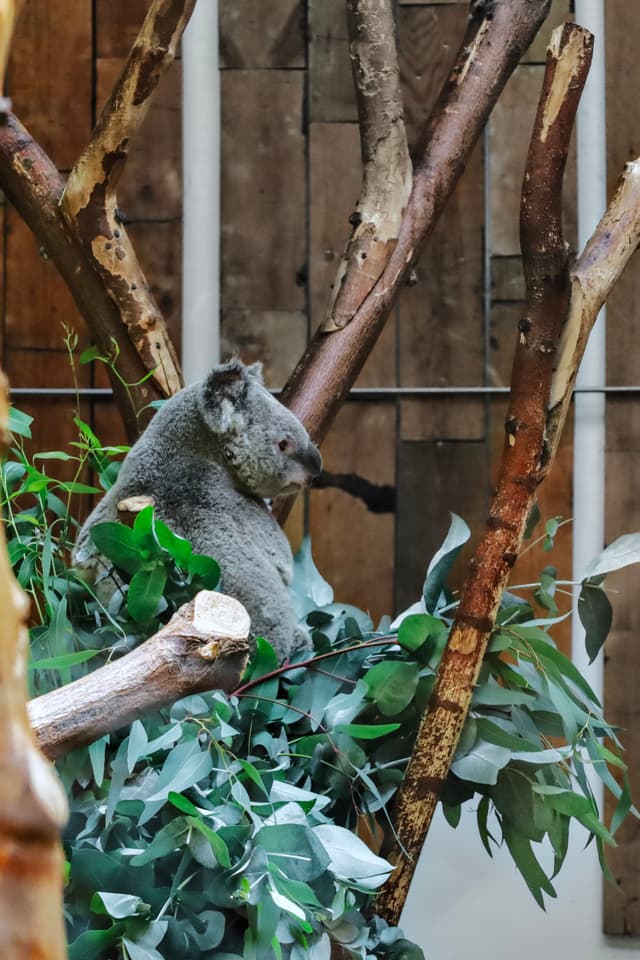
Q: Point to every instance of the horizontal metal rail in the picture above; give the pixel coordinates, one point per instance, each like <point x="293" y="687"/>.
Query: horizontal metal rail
<point x="358" y="393"/>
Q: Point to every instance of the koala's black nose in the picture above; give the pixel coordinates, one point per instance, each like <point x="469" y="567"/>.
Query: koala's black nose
<point x="312" y="461"/>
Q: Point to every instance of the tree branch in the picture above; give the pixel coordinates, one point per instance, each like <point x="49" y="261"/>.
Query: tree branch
<point x="614" y="241"/>
<point x="546" y="273"/>
<point x="203" y="647"/>
<point x="387" y="170"/>
<point x="496" y="37"/>
<point x="90" y="204"/>
<point x="34" y="187"/>
<point x="33" y="808"/>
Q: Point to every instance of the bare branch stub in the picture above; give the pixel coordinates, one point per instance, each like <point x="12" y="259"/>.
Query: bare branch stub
<point x="203" y="647"/>
<point x="33" y="808"/>
<point x="546" y="270"/>
<point x="89" y="202"/>
<point x="496" y="37"/>
<point x="387" y="168"/>
<point x="34" y="187"/>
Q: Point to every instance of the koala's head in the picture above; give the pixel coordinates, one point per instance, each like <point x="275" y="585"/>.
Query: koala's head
<point x="264" y="446"/>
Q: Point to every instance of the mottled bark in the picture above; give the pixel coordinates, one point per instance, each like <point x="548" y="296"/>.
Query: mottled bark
<point x="90" y="203"/>
<point x="32" y="184"/>
<point x="33" y="808"/>
<point x="203" y="647"/>
<point x="387" y="170"/>
<point x="547" y="303"/>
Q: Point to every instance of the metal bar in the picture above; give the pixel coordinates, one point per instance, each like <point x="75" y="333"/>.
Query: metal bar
<point x="358" y="393"/>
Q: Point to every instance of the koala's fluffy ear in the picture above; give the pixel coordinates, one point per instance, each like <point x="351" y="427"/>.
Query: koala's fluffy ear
<point x="223" y="394"/>
<point x="227" y="380"/>
<point x="255" y="370"/>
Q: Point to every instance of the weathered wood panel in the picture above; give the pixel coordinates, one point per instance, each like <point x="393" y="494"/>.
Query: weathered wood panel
<point x="621" y="913"/>
<point x="37" y="303"/>
<point x="354" y="546"/>
<point x="50" y="75"/>
<point x="331" y="91"/>
<point x="256" y="36"/>
<point x="263" y="190"/>
<point x="276" y="337"/>
<point x="560" y="11"/>
<point x="117" y="23"/>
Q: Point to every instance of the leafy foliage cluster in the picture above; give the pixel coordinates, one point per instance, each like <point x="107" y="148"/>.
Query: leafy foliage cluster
<point x="229" y="826"/>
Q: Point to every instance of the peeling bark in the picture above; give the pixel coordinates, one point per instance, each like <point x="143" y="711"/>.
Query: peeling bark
<point x="33" y="808"/>
<point x="387" y="170"/>
<point x="34" y="187"/>
<point x="547" y="303"/>
<point x="90" y="204"/>
<point x="203" y="647"/>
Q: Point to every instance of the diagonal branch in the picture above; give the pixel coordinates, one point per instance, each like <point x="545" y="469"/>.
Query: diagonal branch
<point x="203" y="647"/>
<point x="387" y="170"/>
<point x="547" y="278"/>
<point x="89" y="202"/>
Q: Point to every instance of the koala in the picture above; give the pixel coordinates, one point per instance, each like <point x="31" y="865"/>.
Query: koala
<point x="209" y="459"/>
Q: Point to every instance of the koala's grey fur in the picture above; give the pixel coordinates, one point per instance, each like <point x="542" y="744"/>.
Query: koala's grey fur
<point x="209" y="458"/>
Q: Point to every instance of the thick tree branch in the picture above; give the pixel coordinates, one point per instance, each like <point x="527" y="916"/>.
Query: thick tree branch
<point x="203" y="647"/>
<point x="33" y="808"/>
<point x="387" y="170"/>
<point x="496" y="37"/>
<point x="607" y="253"/>
<point x="546" y="272"/>
<point x="33" y="185"/>
<point x="90" y="203"/>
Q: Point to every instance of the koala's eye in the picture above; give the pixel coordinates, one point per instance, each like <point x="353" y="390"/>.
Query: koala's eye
<point x="284" y="445"/>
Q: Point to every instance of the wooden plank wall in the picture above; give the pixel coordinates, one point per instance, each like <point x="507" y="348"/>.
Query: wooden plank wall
<point x="291" y="175"/>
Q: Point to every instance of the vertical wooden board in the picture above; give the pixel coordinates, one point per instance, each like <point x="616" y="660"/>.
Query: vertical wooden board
<point x="45" y="368"/>
<point x="335" y="171"/>
<point x="507" y="279"/>
<point x="503" y="331"/>
<point x="331" y="91"/>
<point x="428" y="39"/>
<point x="159" y="250"/>
<point x="621" y="914"/>
<point x="263" y="190"/>
<point x="50" y="82"/>
<point x="117" y="25"/>
<point x="441" y="340"/>
<point x="353" y="546"/>
<point x="37" y="302"/>
<point x="257" y="36"/>
<point x="276" y="337"/>
<point x="560" y="11"/>
<point x="151" y="185"/>
<point x="435" y="479"/>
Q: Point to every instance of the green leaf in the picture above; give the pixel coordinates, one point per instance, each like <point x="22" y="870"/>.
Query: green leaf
<point x="482" y="764"/>
<point x="596" y="616"/>
<point x="179" y="548"/>
<point x="417" y="628"/>
<point x="392" y="685"/>
<point x="118" y="543"/>
<point x="294" y="849"/>
<point x="452" y="814"/>
<point x="217" y="844"/>
<point x="145" y="591"/>
<point x="91" y="353"/>
<point x="117" y="905"/>
<point x="491" y="694"/>
<point x="64" y="661"/>
<point x="20" y="423"/>
<point x="307" y="583"/>
<point x="367" y="731"/>
<point x="92" y="944"/>
<point x="492" y="733"/>
<point x="524" y="859"/>
<point x="165" y="841"/>
<point x="441" y="563"/>
<point x="206" y="568"/>
<point x="350" y="858"/>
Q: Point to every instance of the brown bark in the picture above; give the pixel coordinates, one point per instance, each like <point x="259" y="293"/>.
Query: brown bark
<point x="547" y="279"/>
<point x="387" y="171"/>
<point x="203" y="647"/>
<point x="33" y="808"/>
<point x="496" y="37"/>
<point x="90" y="204"/>
<point x="34" y="186"/>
